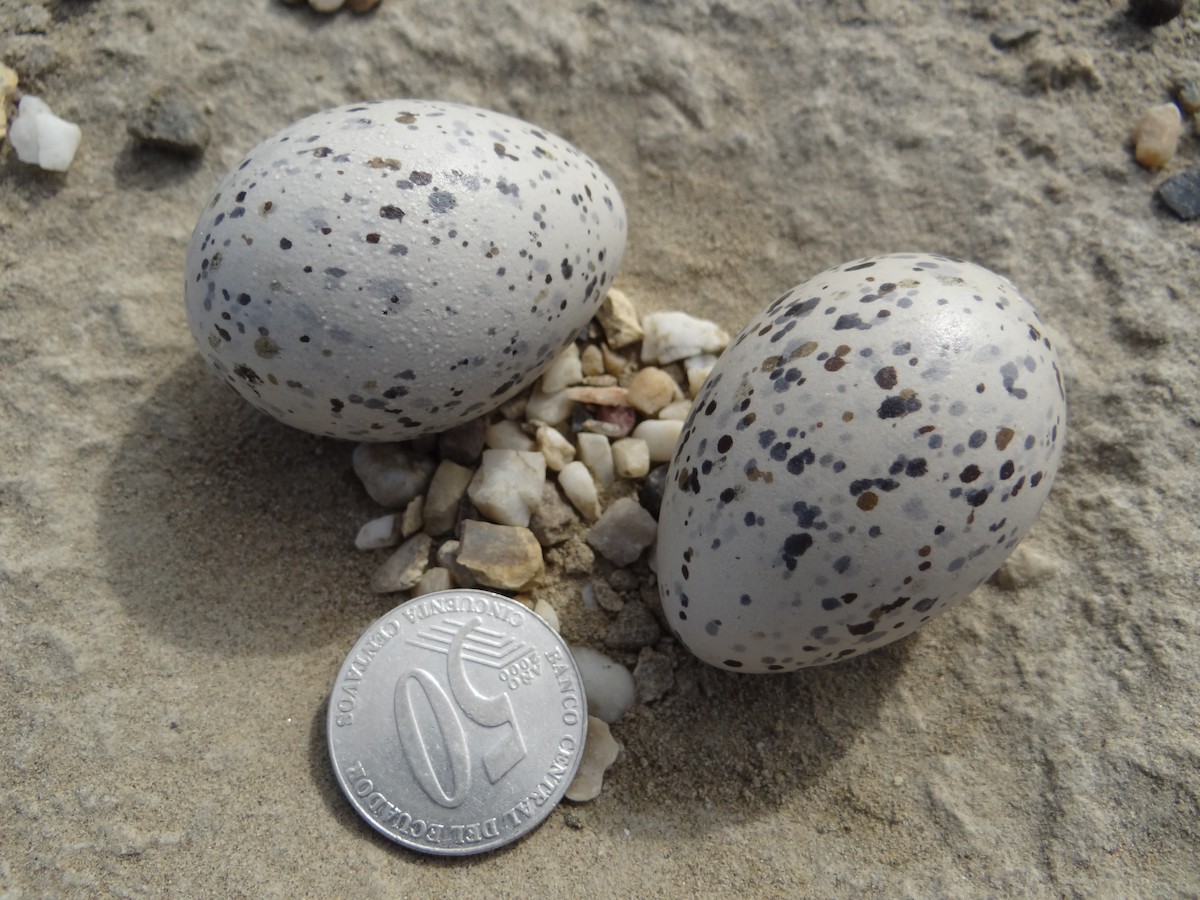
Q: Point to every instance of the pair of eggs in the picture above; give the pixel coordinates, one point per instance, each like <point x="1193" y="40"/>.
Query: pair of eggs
<point x="867" y="451"/>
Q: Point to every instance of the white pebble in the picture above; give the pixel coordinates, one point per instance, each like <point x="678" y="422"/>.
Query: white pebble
<point x="1025" y="567"/>
<point x="595" y="452"/>
<point x="550" y="409"/>
<point x="557" y="450"/>
<point x="631" y="457"/>
<point x="676" y="335"/>
<point x="619" y="319"/>
<point x="403" y="569"/>
<point x="623" y="532"/>
<point x="600" y="750"/>
<point x="42" y="138"/>
<point x="564" y="371"/>
<point x="378" y="533"/>
<point x="576" y="482"/>
<point x="547" y="612"/>
<point x="413" y="519"/>
<point x="446" y="491"/>
<point x="677" y="411"/>
<point x="508" y="486"/>
<point x="607" y="684"/>
<point x="393" y="474"/>
<point x="591" y="360"/>
<point x="507" y="435"/>
<point x="697" y="369"/>
<point x="435" y="579"/>
<point x="660" y="436"/>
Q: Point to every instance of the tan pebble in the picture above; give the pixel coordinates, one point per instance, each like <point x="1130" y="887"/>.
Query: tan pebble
<point x="678" y="410"/>
<point x="603" y="380"/>
<point x="557" y="450"/>
<point x="500" y="556"/>
<point x="547" y="612"/>
<point x="599" y="396"/>
<point x="435" y="579"/>
<point x="414" y="517"/>
<point x="614" y="362"/>
<point x="600" y="750"/>
<point x="619" y="319"/>
<point x="651" y="389"/>
<point x="631" y="458"/>
<point x="1156" y="136"/>
<point x="591" y="359"/>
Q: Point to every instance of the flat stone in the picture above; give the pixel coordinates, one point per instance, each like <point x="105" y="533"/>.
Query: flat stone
<point x="619" y="319"/>
<point x="623" y="532"/>
<point x="633" y="628"/>
<point x="599" y="396"/>
<point x="169" y="120"/>
<point x="1181" y="194"/>
<point x="577" y="483"/>
<point x="464" y="443"/>
<point x="1014" y="34"/>
<point x="553" y="520"/>
<point x="413" y="519"/>
<point x="600" y="750"/>
<point x="653" y="676"/>
<point x="508" y="485"/>
<point x="446" y="491"/>
<point x="404" y="568"/>
<point x="507" y="557"/>
<point x="379" y="533"/>
<point x="392" y="473"/>
<point x="671" y="336"/>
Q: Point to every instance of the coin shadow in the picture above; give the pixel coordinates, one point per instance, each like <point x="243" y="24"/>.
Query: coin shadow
<point x="724" y="747"/>
<point x="225" y="532"/>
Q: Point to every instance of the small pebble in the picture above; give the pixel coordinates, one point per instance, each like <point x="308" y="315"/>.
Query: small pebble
<point x="391" y="474"/>
<point x="379" y="533"/>
<point x="617" y="421"/>
<point x="672" y="336"/>
<point x="595" y="452"/>
<point x="507" y="435"/>
<point x="549" y="409"/>
<point x="591" y="361"/>
<point x="661" y="436"/>
<point x="697" y="369"/>
<point x="1153" y="13"/>
<point x="622" y="532"/>
<point x="677" y="410"/>
<point x="577" y="483"/>
<point x="413" y="519"/>
<point x="1025" y="567"/>
<point x="1156" y="136"/>
<point x="563" y="371"/>
<point x="553" y="520"/>
<point x="326" y="6"/>
<point x="600" y="750"/>
<point x="623" y="580"/>
<point x="651" y="389"/>
<point x="435" y="579"/>
<point x="41" y="138"/>
<point x="403" y="569"/>
<point x="1187" y="93"/>
<point x="572" y="557"/>
<point x="631" y="458"/>
<point x="464" y="443"/>
<point x="507" y="557"/>
<point x="652" y="488"/>
<point x="1181" y="194"/>
<point x="446" y="491"/>
<point x="508" y="485"/>
<point x="8" y="90"/>
<point x="543" y="608"/>
<point x="634" y="628"/>
<point x="607" y="684"/>
<point x="169" y="120"/>
<point x="599" y="396"/>
<point x="1015" y="34"/>
<point x="614" y="362"/>
<point x="653" y="675"/>
<point x="619" y="319"/>
<point x="605" y="595"/>
<point x="556" y="449"/>
<point x="447" y="557"/>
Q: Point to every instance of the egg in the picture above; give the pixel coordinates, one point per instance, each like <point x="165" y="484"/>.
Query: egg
<point x="868" y="451"/>
<point x="390" y="269"/>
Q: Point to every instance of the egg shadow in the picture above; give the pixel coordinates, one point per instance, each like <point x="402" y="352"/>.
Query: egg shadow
<point x="725" y="748"/>
<point x="227" y="532"/>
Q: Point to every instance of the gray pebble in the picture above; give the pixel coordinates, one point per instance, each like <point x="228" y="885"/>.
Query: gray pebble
<point x="168" y="120"/>
<point x="607" y="598"/>
<point x="653" y="675"/>
<point x="633" y="628"/>
<point x="464" y="443"/>
<point x="1181" y="194"/>
<point x="1014" y="34"/>
<point x="404" y="568"/>
<point x="553" y="520"/>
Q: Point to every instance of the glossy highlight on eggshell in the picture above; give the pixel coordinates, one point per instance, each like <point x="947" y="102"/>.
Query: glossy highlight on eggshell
<point x="390" y="269"/>
<point x="867" y="452"/>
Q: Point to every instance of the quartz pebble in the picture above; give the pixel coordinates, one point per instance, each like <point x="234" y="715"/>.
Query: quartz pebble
<point x="435" y="579"/>
<point x="631" y="457"/>
<point x="591" y="360"/>
<point x="446" y="491"/>
<point x="696" y="369"/>
<point x="634" y="628"/>
<point x="577" y="483"/>
<point x="507" y="435"/>
<point x="607" y="684"/>
<point x="391" y="473"/>
<point x="508" y="485"/>
<point x="661" y="436"/>
<point x="555" y="449"/>
<point x="403" y="569"/>
<point x="672" y="336"/>
<point x="563" y="371"/>
<point x="379" y="533"/>
<point x="549" y="409"/>
<point x="42" y="138"/>
<point x="507" y="557"/>
<point x="619" y="319"/>
<point x="677" y="410"/>
<point x="595" y="452"/>
<point x="651" y="389"/>
<point x="623" y="531"/>
<point x="1156" y="137"/>
<point x="653" y="675"/>
<point x="413" y="519"/>
<point x="600" y="750"/>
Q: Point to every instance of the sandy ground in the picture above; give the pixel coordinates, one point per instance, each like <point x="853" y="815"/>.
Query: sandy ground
<point x="177" y="581"/>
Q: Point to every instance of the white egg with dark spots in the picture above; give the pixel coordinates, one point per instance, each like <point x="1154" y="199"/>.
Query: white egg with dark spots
<point x="868" y="451"/>
<point x="391" y="269"/>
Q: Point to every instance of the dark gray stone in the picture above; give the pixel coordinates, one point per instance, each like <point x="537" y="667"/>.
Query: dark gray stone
<point x="1181" y="194"/>
<point x="168" y="120"/>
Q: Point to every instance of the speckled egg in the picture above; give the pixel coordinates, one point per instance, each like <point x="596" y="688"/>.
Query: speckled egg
<point x="866" y="452"/>
<point x="390" y="269"/>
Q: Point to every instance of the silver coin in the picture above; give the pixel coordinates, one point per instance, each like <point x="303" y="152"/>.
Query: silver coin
<point x="457" y="722"/>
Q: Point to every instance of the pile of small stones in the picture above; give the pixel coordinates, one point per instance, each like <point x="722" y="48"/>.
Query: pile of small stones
<point x="553" y="498"/>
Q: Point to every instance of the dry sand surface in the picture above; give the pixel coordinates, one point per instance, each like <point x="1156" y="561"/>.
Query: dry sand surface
<point x="178" y="584"/>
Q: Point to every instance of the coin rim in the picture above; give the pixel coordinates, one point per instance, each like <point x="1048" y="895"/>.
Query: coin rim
<point x="535" y="821"/>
